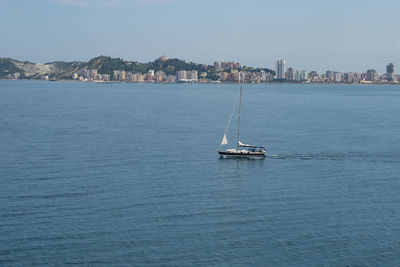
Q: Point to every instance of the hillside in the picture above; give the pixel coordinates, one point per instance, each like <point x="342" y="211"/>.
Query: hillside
<point x="27" y="70"/>
<point x="104" y="65"/>
<point x="8" y="66"/>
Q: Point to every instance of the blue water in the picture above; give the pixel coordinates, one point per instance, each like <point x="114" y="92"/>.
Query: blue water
<point x="128" y="175"/>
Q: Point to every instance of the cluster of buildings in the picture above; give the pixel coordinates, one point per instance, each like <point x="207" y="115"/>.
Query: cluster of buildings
<point x="232" y="72"/>
<point x="14" y="76"/>
<point x="17" y="76"/>
<point x="90" y="75"/>
<point x="370" y="76"/>
<point x="123" y="76"/>
<point x="224" y="72"/>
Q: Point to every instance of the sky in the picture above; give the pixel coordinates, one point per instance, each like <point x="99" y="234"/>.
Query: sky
<point x="351" y="35"/>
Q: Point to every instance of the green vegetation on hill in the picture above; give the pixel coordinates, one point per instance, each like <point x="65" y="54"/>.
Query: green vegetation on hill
<point x="106" y="65"/>
<point x="251" y="69"/>
<point x="171" y="66"/>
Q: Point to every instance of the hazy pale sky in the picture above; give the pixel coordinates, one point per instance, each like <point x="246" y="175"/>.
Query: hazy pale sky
<point x="341" y="35"/>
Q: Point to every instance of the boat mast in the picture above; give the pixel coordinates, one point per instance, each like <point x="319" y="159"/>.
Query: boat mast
<point x="240" y="109"/>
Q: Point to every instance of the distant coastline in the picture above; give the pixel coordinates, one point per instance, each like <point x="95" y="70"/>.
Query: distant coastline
<point x="163" y="70"/>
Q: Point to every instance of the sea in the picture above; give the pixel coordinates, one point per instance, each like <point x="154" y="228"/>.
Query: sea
<point x="122" y="174"/>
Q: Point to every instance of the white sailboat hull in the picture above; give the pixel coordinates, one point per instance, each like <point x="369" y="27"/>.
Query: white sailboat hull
<point x="241" y="153"/>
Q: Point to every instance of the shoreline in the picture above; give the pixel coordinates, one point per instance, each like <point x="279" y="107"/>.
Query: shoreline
<point x="215" y="82"/>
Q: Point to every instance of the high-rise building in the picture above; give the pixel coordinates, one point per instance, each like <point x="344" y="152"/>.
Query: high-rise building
<point x="130" y="77"/>
<point x="297" y="75"/>
<point x="356" y="77"/>
<point x="330" y="75"/>
<point x="224" y="76"/>
<point x="84" y="73"/>
<point x="304" y="75"/>
<point x="194" y="75"/>
<point x="290" y="74"/>
<point x="92" y="74"/>
<point x="181" y="75"/>
<point x="242" y="76"/>
<point x="217" y="65"/>
<point x="160" y="76"/>
<point x="313" y="75"/>
<point x="228" y="65"/>
<point x="119" y="75"/>
<point x="235" y="75"/>
<point x="280" y="69"/>
<point x="390" y="72"/>
<point x="348" y="77"/>
<point x="338" y="77"/>
<point x="371" y="75"/>
<point x="301" y="75"/>
<point x="116" y="75"/>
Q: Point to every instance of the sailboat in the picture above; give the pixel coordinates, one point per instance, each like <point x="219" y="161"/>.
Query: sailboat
<point x="241" y="150"/>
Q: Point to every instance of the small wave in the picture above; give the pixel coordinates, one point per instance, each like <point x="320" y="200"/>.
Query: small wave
<point x="51" y="196"/>
<point x="353" y="156"/>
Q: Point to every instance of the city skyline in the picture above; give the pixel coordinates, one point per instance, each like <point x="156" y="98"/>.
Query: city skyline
<point x="311" y="35"/>
<point x="164" y="70"/>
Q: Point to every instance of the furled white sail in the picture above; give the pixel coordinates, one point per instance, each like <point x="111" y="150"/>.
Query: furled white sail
<point x="224" y="140"/>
